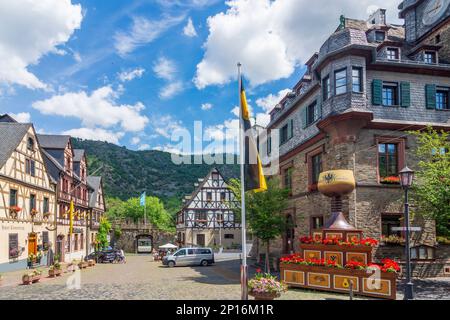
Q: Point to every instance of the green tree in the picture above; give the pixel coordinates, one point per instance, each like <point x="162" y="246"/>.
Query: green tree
<point x="264" y="212"/>
<point x="103" y="231"/>
<point x="431" y="190"/>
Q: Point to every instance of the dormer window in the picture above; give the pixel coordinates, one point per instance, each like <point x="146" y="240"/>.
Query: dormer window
<point x="392" y="54"/>
<point x="30" y="144"/>
<point x="430" y="57"/>
<point x="380" y="36"/>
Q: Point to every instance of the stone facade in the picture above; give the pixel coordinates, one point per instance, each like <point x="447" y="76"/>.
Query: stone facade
<point x="352" y="127"/>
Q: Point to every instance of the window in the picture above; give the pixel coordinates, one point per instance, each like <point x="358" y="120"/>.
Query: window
<point x="209" y="196"/>
<point x="13" y="244"/>
<point x="45" y="208"/>
<point x="422" y="253"/>
<point x="76" y="243"/>
<point x="32" y="201"/>
<point x="312" y="114"/>
<point x="316" y="162"/>
<point x="387" y="160"/>
<point x="390" y="94"/>
<point x="326" y="88"/>
<point x="392" y="54"/>
<point x="200" y="216"/>
<point x="30" y="167"/>
<point x="269" y="145"/>
<point x="287" y="132"/>
<point x="223" y="196"/>
<point x="45" y="239"/>
<point x="379" y="36"/>
<point x="357" y="85"/>
<point x="340" y="81"/>
<point x="442" y="99"/>
<point x="389" y="221"/>
<point x="68" y="246"/>
<point x="229" y="236"/>
<point x="181" y="252"/>
<point x="190" y="251"/>
<point x="81" y="241"/>
<point x="429" y="57"/>
<point x="12" y="197"/>
<point x="215" y="179"/>
<point x="316" y="223"/>
<point x="30" y="144"/>
<point x="287" y="178"/>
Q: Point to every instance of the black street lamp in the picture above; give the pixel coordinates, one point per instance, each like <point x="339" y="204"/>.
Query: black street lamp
<point x="406" y="179"/>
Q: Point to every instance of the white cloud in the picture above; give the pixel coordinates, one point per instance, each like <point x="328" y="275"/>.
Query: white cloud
<point x="97" y="109"/>
<point x="207" y="106"/>
<point x="187" y="3"/>
<point x="171" y="90"/>
<point x="271" y="38"/>
<point x="165" y="69"/>
<point x="96" y="134"/>
<point x="135" y="140"/>
<point x="22" y="117"/>
<point x="189" y="29"/>
<point x="143" y="31"/>
<point x="131" y="75"/>
<point x="77" y="56"/>
<point x="30" y="29"/>
<point x="262" y="119"/>
<point x="165" y="125"/>
<point x="269" y="102"/>
<point x="144" y="147"/>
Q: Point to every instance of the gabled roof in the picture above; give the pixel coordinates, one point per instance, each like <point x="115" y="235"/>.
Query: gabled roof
<point x="53" y="166"/>
<point x="78" y="155"/>
<point x="53" y="141"/>
<point x="95" y="183"/>
<point x="7" y="118"/>
<point x="11" y="134"/>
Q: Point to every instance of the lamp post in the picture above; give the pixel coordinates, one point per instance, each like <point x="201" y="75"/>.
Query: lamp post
<point x="406" y="179"/>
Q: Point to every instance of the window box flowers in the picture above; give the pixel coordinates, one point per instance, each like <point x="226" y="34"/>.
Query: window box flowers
<point x="393" y="180"/>
<point x="393" y="240"/>
<point x="265" y="287"/>
<point x="31" y="277"/>
<point x="14" y="211"/>
<point x="369" y="242"/>
<point x="34" y="213"/>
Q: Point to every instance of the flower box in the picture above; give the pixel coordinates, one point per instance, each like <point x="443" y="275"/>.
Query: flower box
<point x="54" y="273"/>
<point x="332" y="279"/>
<point x="264" y="296"/>
<point x="30" y="278"/>
<point x="343" y="253"/>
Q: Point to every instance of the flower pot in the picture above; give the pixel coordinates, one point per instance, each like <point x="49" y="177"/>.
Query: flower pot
<point x="54" y="273"/>
<point x="264" y="296"/>
<point x="30" y="278"/>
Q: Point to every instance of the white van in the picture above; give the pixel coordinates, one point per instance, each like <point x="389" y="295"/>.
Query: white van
<point x="190" y="257"/>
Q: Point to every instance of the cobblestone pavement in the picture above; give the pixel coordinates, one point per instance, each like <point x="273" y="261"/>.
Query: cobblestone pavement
<point x="141" y="278"/>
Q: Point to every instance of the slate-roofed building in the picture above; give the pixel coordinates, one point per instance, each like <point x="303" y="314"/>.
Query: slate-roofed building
<point x="367" y="86"/>
<point x="68" y="168"/>
<point x="27" y="196"/>
<point x="97" y="206"/>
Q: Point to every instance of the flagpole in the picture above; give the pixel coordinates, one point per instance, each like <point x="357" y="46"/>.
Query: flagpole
<point x="244" y="268"/>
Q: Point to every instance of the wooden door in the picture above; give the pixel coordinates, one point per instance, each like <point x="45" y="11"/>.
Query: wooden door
<point x="201" y="240"/>
<point x="32" y="244"/>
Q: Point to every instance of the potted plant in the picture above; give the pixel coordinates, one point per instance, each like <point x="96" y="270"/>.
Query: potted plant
<point x="31" y="277"/>
<point x="265" y="287"/>
<point x="14" y="211"/>
<point x="34" y="213"/>
<point x="31" y="260"/>
<point x="39" y="257"/>
<point x="55" y="270"/>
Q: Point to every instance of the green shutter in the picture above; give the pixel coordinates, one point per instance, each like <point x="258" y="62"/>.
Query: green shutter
<point x="377" y="92"/>
<point x="405" y="94"/>
<point x="430" y="92"/>
<point x="305" y="117"/>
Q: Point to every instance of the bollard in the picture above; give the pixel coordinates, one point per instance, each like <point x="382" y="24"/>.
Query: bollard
<point x="351" y="290"/>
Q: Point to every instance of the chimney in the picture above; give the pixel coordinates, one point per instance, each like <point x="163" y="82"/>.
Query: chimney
<point x="378" y="17"/>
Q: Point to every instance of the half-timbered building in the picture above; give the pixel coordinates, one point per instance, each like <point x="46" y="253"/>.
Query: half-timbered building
<point x="68" y="167"/>
<point x="207" y="218"/>
<point x="27" y="195"/>
<point x="97" y="208"/>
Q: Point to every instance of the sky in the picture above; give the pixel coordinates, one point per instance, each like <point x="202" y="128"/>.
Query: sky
<point x="141" y="73"/>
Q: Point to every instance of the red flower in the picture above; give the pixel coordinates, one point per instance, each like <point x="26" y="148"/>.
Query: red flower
<point x="355" y="265"/>
<point x="369" y="242"/>
<point x="258" y="270"/>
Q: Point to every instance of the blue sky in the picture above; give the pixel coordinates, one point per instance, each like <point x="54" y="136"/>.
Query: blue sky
<point x="132" y="72"/>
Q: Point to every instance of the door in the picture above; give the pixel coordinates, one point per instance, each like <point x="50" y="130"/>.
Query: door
<point x="32" y="244"/>
<point x="201" y="240"/>
<point x="60" y="248"/>
<point x="180" y="257"/>
<point x="192" y="258"/>
<point x="289" y="235"/>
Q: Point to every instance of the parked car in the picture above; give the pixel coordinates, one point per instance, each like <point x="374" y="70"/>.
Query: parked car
<point x="106" y="256"/>
<point x="190" y="257"/>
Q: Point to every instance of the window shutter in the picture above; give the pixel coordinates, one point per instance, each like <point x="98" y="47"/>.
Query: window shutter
<point x="377" y="92"/>
<point x="430" y="91"/>
<point x="405" y="94"/>
<point x="319" y="110"/>
<point x="305" y="117"/>
<point x="291" y="129"/>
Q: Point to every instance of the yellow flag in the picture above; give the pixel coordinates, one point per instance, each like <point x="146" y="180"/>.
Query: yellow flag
<point x="71" y="210"/>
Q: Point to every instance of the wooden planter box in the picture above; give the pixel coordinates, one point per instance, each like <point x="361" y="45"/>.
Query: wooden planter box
<point x="342" y="254"/>
<point x="83" y="265"/>
<point x="338" y="280"/>
<point x="29" y="279"/>
<point x="54" y="273"/>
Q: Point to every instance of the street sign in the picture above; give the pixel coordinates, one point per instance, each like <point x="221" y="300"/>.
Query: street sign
<point x="413" y="229"/>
